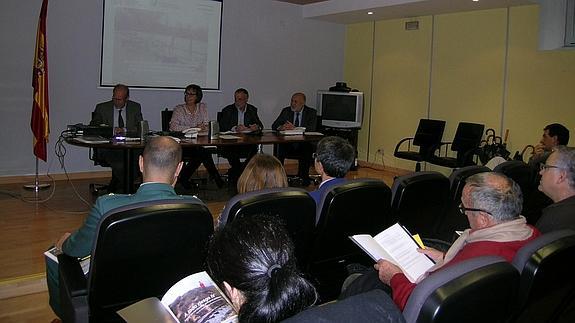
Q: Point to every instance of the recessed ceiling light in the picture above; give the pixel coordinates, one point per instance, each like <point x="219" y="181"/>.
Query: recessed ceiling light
<point x="370" y="12"/>
<point x="475" y="0"/>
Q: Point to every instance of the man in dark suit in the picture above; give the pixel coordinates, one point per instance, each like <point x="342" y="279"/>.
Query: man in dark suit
<point x="297" y="115"/>
<point x="124" y="116"/>
<point x="239" y="117"/>
<point x="333" y="159"/>
<point x="160" y="164"/>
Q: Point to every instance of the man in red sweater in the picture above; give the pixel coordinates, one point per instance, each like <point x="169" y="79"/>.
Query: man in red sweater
<point x="492" y="203"/>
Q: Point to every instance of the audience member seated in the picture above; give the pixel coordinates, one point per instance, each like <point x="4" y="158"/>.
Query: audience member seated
<point x="553" y="135"/>
<point x="332" y="160"/>
<point x="160" y="165"/>
<point x="124" y="116"/>
<point x="558" y="183"/>
<point x="240" y="117"/>
<point x="252" y="260"/>
<point x="492" y="203"/>
<point x="297" y="115"/>
<point x="194" y="114"/>
<point x="262" y="171"/>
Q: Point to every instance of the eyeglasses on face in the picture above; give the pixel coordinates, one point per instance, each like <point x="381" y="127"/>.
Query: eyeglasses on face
<point x="190" y="93"/>
<point x="543" y="167"/>
<point x="463" y="209"/>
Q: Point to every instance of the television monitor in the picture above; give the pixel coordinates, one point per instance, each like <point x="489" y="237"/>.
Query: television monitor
<point x="340" y="109"/>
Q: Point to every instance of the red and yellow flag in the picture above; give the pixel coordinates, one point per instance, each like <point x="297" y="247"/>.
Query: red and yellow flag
<point x="40" y="122"/>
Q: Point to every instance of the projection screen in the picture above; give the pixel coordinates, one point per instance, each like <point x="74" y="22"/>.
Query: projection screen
<point x="161" y="43"/>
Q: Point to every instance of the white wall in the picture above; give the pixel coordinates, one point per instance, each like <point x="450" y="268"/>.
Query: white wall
<point x="266" y="47"/>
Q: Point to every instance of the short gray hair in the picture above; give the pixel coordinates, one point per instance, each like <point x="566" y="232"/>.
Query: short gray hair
<point x="496" y="194"/>
<point x="566" y="161"/>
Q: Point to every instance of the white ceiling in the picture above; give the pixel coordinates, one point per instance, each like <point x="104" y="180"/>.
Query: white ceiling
<point x="352" y="11"/>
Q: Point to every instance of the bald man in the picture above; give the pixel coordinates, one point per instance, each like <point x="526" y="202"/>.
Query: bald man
<point x="297" y="115"/>
<point x="160" y="165"/>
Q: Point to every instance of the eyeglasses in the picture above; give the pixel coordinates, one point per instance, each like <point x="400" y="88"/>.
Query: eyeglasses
<point x="543" y="167"/>
<point x="463" y="209"/>
<point x="190" y="93"/>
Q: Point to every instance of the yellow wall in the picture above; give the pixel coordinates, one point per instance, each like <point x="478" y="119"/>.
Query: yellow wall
<point x="479" y="66"/>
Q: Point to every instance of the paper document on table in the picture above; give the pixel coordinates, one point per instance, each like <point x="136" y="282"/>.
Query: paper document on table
<point x="228" y="137"/>
<point x="313" y="133"/>
<point x="396" y="245"/>
<point x="294" y="131"/>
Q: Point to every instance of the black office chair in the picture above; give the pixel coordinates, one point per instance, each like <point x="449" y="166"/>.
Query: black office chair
<point x="480" y="290"/>
<point x="427" y="137"/>
<point x="419" y="201"/>
<point x="467" y="138"/>
<point x="360" y="206"/>
<point x="547" y="282"/>
<point x="166" y="117"/>
<point x="140" y="251"/>
<point x="293" y="205"/>
<point x="453" y="220"/>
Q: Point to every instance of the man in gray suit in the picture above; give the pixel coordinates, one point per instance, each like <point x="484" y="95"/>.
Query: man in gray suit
<point x="160" y="165"/>
<point x="124" y="116"/>
<point x="297" y="115"/>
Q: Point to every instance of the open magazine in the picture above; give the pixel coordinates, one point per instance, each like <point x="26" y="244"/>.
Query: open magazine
<point x="395" y="244"/>
<point x="195" y="298"/>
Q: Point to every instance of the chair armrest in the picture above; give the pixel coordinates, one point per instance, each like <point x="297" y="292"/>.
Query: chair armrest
<point x="437" y="148"/>
<point x="409" y="139"/>
<point x="71" y="276"/>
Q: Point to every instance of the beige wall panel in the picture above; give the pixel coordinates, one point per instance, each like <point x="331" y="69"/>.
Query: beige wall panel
<point x="400" y="85"/>
<point x="541" y="83"/>
<point x="357" y="73"/>
<point x="468" y="69"/>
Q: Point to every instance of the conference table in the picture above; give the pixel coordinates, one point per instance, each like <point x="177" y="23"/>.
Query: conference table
<point x="130" y="146"/>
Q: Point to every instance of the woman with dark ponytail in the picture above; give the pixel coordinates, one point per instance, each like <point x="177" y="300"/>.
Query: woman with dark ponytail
<point x="252" y="260"/>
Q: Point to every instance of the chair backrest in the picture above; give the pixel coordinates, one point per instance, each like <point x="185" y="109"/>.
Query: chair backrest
<point x="143" y="249"/>
<point x="481" y="289"/>
<point x="293" y="205"/>
<point x="429" y="133"/>
<point x="359" y="206"/>
<point x="373" y="306"/>
<point x="166" y="117"/>
<point x="353" y="207"/>
<point x="419" y="201"/>
<point x="453" y="220"/>
<point x="547" y="279"/>
<point x="459" y="176"/>
<point x="467" y="136"/>
<point x="522" y="174"/>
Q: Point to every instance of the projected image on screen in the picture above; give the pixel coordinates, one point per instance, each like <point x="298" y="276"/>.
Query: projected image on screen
<point x="338" y="107"/>
<point x="161" y="43"/>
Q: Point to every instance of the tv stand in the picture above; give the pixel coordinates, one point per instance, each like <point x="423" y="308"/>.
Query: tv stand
<point x="350" y="134"/>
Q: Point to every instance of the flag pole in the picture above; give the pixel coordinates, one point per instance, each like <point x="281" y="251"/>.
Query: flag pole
<point x="37" y="186"/>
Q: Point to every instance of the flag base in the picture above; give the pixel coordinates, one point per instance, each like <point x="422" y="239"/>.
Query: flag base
<point x="37" y="186"/>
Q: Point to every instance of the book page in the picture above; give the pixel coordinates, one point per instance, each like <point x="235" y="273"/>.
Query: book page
<point x="149" y="310"/>
<point x="403" y="249"/>
<point x="197" y="298"/>
<point x="371" y="247"/>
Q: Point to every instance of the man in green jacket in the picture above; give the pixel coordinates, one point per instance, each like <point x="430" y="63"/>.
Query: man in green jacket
<point x="160" y="165"/>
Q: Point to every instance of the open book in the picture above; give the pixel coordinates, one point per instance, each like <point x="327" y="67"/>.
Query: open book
<point x="395" y="244"/>
<point x="195" y="298"/>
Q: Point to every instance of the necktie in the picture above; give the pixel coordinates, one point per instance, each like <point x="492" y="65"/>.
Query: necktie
<point x="296" y="119"/>
<point x="120" y="119"/>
